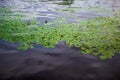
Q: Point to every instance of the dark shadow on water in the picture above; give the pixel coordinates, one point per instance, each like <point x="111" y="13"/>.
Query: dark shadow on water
<point x="60" y="63"/>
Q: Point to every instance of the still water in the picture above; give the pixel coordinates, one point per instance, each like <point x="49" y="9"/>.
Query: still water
<point x="72" y="10"/>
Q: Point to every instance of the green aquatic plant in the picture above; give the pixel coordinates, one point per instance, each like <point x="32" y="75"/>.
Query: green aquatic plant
<point x="99" y="36"/>
<point x="70" y="9"/>
<point x="66" y="2"/>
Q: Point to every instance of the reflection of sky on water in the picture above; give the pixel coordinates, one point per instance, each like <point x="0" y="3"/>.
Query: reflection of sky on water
<point x="48" y="9"/>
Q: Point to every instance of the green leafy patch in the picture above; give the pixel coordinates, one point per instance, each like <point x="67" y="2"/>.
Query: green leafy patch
<point x="99" y="36"/>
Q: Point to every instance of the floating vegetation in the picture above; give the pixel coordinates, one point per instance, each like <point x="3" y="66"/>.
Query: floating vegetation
<point x="99" y="36"/>
<point x="66" y="2"/>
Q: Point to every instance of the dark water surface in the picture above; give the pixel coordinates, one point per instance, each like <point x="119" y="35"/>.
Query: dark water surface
<point x="60" y="63"/>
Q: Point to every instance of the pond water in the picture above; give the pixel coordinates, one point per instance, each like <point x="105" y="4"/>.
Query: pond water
<point x="73" y="10"/>
<point x="61" y="62"/>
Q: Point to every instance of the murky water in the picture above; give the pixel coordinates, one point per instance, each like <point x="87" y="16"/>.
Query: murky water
<point x="49" y="10"/>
